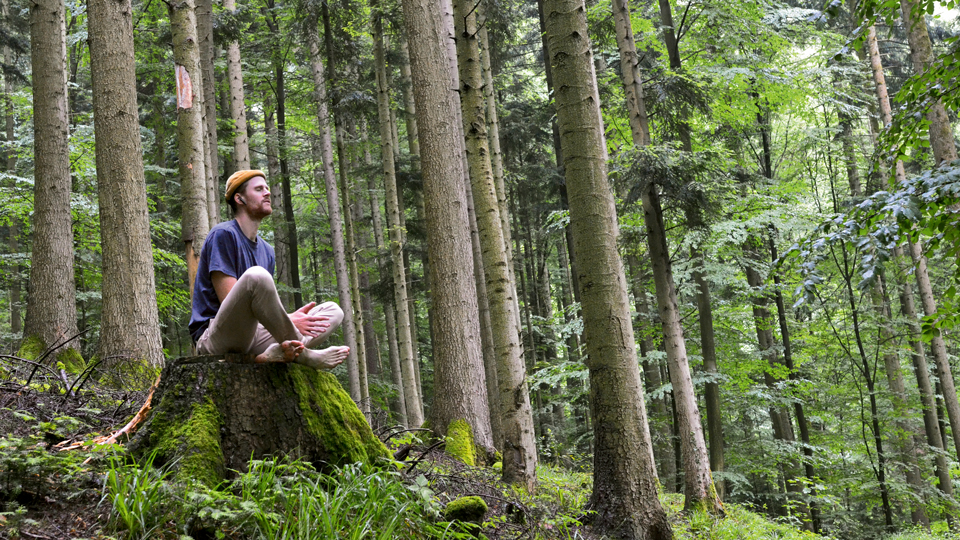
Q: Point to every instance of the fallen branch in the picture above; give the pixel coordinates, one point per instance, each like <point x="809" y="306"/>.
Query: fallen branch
<point x="112" y="438"/>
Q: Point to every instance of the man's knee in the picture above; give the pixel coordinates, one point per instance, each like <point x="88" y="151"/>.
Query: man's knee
<point x="332" y="310"/>
<point x="258" y="275"/>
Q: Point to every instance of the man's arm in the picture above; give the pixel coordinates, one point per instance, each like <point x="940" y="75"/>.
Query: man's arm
<point x="222" y="283"/>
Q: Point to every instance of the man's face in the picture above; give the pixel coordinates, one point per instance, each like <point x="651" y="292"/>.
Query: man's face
<point x="256" y="198"/>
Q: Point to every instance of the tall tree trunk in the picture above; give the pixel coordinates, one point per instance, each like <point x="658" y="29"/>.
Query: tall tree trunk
<point x="410" y="388"/>
<point x="280" y="241"/>
<point x="207" y="56"/>
<point x="130" y="326"/>
<point x="698" y="484"/>
<point x="519" y="448"/>
<point x="10" y="165"/>
<point x="238" y="108"/>
<point x="195" y="220"/>
<point x="350" y="322"/>
<point x="944" y="371"/>
<point x="51" y="307"/>
<point x="921" y="52"/>
<point x="798" y="409"/>
<point x="624" y="492"/>
<point x="389" y="310"/>
<point x="456" y="340"/>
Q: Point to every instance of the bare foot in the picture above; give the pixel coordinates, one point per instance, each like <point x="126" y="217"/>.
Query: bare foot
<point x="328" y="358"/>
<point x="288" y="351"/>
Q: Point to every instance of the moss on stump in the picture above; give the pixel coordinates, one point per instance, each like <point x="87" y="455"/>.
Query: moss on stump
<point x="211" y="414"/>
<point x="467" y="513"/>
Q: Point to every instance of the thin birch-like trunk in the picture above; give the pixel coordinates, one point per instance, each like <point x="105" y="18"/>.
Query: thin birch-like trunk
<point x="238" y="108"/>
<point x="207" y="55"/>
<point x="410" y="388"/>
<point x="516" y="417"/>
<point x="337" y="244"/>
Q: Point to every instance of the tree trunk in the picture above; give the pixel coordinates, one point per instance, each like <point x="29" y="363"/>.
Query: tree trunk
<point x="519" y="448"/>
<point x="625" y="491"/>
<point x="207" y="56"/>
<point x="456" y="339"/>
<point x="238" y="108"/>
<point x="698" y="484"/>
<point x="350" y="323"/>
<point x="203" y="424"/>
<point x="195" y="219"/>
<point x="921" y="52"/>
<point x="130" y="326"/>
<point x="51" y="307"/>
<point x="280" y="242"/>
<point x="410" y="388"/>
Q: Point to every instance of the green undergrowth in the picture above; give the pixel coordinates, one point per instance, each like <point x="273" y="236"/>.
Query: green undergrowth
<point x="275" y="499"/>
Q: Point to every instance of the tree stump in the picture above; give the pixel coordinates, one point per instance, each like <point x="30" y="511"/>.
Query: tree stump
<point x="212" y="414"/>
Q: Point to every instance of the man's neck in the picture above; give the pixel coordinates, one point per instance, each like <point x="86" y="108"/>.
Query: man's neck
<point x="248" y="225"/>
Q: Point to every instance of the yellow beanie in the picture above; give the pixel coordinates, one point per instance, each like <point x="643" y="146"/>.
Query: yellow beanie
<point x="238" y="178"/>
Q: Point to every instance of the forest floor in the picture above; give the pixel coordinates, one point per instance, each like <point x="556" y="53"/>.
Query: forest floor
<point x="95" y="493"/>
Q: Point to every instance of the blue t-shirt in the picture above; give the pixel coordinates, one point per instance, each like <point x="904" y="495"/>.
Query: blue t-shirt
<point x="226" y="250"/>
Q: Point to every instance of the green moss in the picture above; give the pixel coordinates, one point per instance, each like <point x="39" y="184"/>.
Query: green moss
<point x="31" y="348"/>
<point x="334" y="418"/>
<point x="71" y="361"/>
<point x="470" y="509"/>
<point x="194" y="441"/>
<point x="460" y="442"/>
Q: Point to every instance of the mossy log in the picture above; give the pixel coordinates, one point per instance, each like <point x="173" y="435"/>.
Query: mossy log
<point x="212" y="414"/>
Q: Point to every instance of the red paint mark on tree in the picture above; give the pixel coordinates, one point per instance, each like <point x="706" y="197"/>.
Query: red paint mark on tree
<point x="184" y="88"/>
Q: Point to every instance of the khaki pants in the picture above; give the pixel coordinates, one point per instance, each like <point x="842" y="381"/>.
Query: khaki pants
<point x="251" y="318"/>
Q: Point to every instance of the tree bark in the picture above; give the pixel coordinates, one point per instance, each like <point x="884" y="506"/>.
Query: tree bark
<point x="410" y="388"/>
<point x="625" y="491"/>
<point x="350" y="322"/>
<point x="10" y="165"/>
<point x="238" y="108"/>
<point x="280" y="242"/>
<point x="207" y="56"/>
<point x="51" y="306"/>
<point x="519" y="448"/>
<point x="130" y="326"/>
<point x="456" y="339"/>
<point x="921" y="52"/>
<point x="203" y="425"/>
<point x="195" y="219"/>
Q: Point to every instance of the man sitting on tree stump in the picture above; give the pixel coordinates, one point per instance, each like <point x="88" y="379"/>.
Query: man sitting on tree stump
<point x="236" y="307"/>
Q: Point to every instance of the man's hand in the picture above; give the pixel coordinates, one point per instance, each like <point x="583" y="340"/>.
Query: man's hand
<point x="309" y="325"/>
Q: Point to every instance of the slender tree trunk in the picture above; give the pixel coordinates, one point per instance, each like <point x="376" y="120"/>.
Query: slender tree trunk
<point x="10" y="165"/>
<point x="456" y="340"/>
<point x="350" y="322"/>
<point x="410" y="388"/>
<point x="921" y="275"/>
<point x="519" y="448"/>
<point x="195" y="220"/>
<point x="625" y="492"/>
<point x="389" y="310"/>
<point x="207" y="56"/>
<point x="130" y="326"/>
<point x="238" y="108"/>
<point x="51" y="307"/>
<point x="698" y="484"/>
<point x="280" y="242"/>
<point x="921" y="52"/>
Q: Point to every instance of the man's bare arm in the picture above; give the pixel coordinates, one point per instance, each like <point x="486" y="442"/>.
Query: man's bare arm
<point x="222" y="283"/>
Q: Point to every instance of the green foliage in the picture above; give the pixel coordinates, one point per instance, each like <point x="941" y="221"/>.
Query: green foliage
<point x="275" y="499"/>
